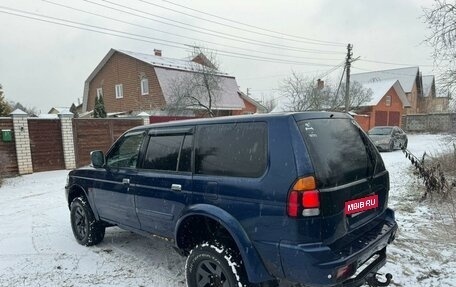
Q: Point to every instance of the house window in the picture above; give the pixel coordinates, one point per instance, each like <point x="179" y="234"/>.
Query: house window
<point x="119" y="91"/>
<point x="144" y="86"/>
<point x="388" y="101"/>
<point x="99" y="92"/>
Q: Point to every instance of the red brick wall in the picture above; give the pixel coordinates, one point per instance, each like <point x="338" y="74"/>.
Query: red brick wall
<point x="363" y="121"/>
<point x="249" y="109"/>
<point x="122" y="69"/>
<point x="8" y="158"/>
<point x="367" y="118"/>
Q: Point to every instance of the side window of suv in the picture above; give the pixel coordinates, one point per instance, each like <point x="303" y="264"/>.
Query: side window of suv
<point x="169" y="152"/>
<point x="238" y="149"/>
<point x="125" y="152"/>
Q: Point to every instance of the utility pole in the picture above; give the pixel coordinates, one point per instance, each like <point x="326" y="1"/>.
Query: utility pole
<point x="348" y="62"/>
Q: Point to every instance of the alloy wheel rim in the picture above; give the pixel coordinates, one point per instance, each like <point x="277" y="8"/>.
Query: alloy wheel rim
<point x="81" y="222"/>
<point x="209" y="273"/>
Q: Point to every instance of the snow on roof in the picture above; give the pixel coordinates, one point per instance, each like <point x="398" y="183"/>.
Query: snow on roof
<point x="405" y="76"/>
<point x="59" y="110"/>
<point x="158" y="61"/>
<point x="380" y="88"/>
<point x="48" y="116"/>
<point x="427" y="85"/>
<point x="259" y="106"/>
<point x="226" y="98"/>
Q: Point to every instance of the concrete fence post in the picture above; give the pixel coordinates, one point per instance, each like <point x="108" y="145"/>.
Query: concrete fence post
<point x="146" y="117"/>
<point x="22" y="140"/>
<point x="66" y="124"/>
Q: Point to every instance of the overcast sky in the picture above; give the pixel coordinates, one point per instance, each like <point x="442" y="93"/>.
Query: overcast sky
<point x="44" y="65"/>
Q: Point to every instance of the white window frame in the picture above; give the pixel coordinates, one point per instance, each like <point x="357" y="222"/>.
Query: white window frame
<point x="99" y="92"/>
<point x="144" y="86"/>
<point x="388" y="101"/>
<point x="119" y="91"/>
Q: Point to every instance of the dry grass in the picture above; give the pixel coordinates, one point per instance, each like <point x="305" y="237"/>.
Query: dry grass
<point x="442" y="168"/>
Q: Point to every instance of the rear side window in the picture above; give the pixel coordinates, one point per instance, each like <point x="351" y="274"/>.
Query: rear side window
<point x="336" y="149"/>
<point x="238" y="149"/>
<point x="169" y="152"/>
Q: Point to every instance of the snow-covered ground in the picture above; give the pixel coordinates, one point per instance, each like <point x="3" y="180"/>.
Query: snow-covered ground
<point x="37" y="247"/>
<point x="423" y="254"/>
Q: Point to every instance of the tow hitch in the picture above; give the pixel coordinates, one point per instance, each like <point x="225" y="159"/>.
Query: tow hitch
<point x="369" y="274"/>
<point x="374" y="282"/>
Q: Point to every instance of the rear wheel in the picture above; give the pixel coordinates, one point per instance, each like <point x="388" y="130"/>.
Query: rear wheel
<point x="213" y="264"/>
<point x="86" y="229"/>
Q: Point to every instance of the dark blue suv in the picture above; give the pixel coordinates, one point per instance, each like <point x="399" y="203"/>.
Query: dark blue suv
<point x="252" y="200"/>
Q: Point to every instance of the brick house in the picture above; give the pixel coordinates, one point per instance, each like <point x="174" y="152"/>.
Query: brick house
<point x="132" y="83"/>
<point x="420" y="90"/>
<point x="432" y="102"/>
<point x="386" y="106"/>
<point x="251" y="106"/>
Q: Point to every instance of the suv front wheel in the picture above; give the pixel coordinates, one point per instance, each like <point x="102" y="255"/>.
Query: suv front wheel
<point x="86" y="229"/>
<point x="213" y="264"/>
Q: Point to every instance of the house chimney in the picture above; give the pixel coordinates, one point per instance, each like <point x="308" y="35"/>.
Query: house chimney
<point x="157" y="52"/>
<point x="320" y="84"/>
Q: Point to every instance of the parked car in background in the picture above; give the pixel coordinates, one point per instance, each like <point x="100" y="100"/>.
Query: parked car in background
<point x="250" y="200"/>
<point x="388" y="138"/>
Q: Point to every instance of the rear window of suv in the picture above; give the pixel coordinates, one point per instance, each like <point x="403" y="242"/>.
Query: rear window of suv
<point x="336" y="149"/>
<point x="237" y="149"/>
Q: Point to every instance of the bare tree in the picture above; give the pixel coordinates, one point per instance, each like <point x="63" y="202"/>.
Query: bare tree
<point x="441" y="22"/>
<point x="31" y="111"/>
<point x="5" y="107"/>
<point x="359" y="96"/>
<point x="198" y="89"/>
<point x="303" y="94"/>
<point x="269" y="104"/>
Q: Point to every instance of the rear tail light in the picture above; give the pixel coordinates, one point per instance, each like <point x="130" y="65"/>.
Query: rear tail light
<point x="304" y="198"/>
<point x="345" y="271"/>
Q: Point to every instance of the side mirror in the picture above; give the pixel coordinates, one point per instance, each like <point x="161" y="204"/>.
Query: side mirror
<point x="97" y="158"/>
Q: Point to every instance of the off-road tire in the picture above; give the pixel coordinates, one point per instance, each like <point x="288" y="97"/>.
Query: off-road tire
<point x="214" y="264"/>
<point x="86" y="229"/>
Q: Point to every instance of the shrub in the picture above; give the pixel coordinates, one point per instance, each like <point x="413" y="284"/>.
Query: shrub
<point x="439" y="177"/>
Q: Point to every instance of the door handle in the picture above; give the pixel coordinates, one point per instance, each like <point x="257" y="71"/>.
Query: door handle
<point x="176" y="187"/>
<point x="126" y="181"/>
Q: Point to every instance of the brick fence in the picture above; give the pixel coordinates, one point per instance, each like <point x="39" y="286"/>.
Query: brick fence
<point x="49" y="144"/>
<point x="445" y="122"/>
<point x="8" y="158"/>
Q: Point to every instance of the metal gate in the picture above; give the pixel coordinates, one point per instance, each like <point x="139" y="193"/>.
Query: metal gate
<point x="46" y="144"/>
<point x="394" y="118"/>
<point x="381" y="118"/>
<point x="98" y="134"/>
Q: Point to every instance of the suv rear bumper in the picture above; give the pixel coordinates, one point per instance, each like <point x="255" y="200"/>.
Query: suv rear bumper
<point x="318" y="264"/>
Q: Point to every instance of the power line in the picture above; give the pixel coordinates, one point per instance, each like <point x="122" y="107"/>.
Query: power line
<point x="316" y="42"/>
<point x="132" y="36"/>
<point x="331" y="70"/>
<point x="217" y="33"/>
<point x="252" y="26"/>
<point x="186" y="37"/>
<point x="395" y="64"/>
